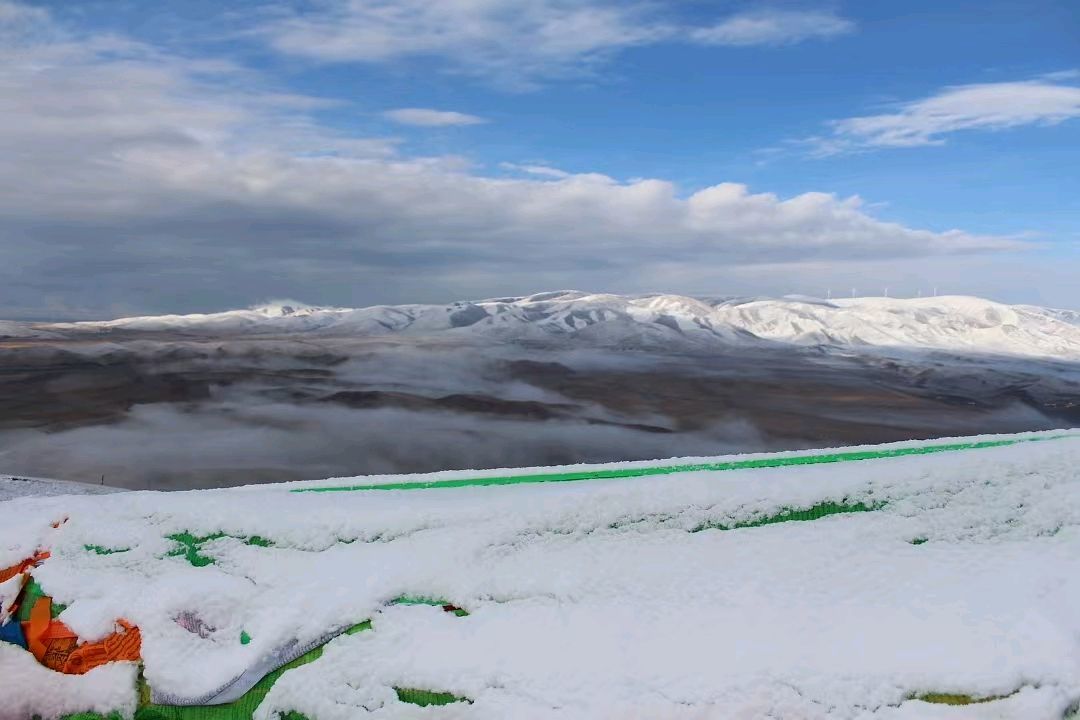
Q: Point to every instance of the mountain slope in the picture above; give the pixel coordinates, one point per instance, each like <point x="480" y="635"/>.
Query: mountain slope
<point x="955" y="324"/>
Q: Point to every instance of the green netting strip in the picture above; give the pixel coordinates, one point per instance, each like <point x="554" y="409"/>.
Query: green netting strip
<point x="100" y="550"/>
<point x="951" y="699"/>
<point x="768" y="462"/>
<point x="190" y="546"/>
<point x="937" y="698"/>
<point x="814" y="512"/>
<point x="243" y="707"/>
<point x="444" y="604"/>
<point x="423" y="698"/>
<point x="30" y="594"/>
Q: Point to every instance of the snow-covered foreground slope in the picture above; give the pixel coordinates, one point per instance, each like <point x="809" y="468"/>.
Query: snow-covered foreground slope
<point x="957" y="324"/>
<point x="13" y="487"/>
<point x="840" y="590"/>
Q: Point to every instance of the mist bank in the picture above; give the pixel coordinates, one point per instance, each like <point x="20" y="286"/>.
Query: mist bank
<point x="180" y="412"/>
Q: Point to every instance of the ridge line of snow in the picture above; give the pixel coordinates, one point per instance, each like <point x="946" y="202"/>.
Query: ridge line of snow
<point x="958" y="324"/>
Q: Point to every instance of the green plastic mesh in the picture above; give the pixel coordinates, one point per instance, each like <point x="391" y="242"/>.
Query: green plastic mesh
<point x="814" y="512"/>
<point x="190" y="546"/>
<point x="436" y="602"/>
<point x="100" y="550"/>
<point x="956" y="698"/>
<point x="244" y="707"/>
<point x="423" y="698"/>
<point x="30" y="594"/>
<point x="767" y="462"/>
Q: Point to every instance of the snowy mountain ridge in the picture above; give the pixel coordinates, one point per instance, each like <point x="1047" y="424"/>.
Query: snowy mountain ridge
<point x="949" y="323"/>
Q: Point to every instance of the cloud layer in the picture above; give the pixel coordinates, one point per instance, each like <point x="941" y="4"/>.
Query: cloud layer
<point x="519" y="43"/>
<point x="139" y="182"/>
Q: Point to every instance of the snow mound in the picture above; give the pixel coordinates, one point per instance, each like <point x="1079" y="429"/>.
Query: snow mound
<point x="952" y="324"/>
<point x="861" y="589"/>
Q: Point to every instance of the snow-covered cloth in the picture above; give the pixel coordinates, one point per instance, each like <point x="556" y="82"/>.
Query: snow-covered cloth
<point x="672" y="596"/>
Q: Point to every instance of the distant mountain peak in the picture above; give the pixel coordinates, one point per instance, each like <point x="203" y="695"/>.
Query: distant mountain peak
<point x="285" y="308"/>
<point x="957" y="324"/>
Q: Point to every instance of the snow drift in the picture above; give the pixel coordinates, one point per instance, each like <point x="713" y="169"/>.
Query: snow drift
<point x="861" y="589"/>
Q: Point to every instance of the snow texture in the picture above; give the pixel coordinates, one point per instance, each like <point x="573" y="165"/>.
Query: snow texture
<point x="27" y="688"/>
<point x="592" y="599"/>
<point x="9" y="593"/>
<point x="12" y="487"/>
<point x="965" y="325"/>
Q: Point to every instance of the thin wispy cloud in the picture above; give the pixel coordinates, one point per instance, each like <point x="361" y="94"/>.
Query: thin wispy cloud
<point x="13" y="12"/>
<point x="518" y="44"/>
<point x="427" y="117"/>
<point x="929" y="121"/>
<point x="1071" y="74"/>
<point x="509" y="42"/>
<point x="773" y="27"/>
<point x="534" y="169"/>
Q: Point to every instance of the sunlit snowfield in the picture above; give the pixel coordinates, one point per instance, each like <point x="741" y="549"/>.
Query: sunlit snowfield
<point x="858" y="588"/>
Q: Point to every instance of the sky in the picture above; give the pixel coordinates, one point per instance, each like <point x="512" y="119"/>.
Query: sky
<point x="196" y="156"/>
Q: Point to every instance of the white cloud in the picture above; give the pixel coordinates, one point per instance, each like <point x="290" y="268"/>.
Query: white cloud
<point x="987" y="106"/>
<point x="512" y="42"/>
<point x="426" y="117"/>
<point x="138" y="182"/>
<point x="773" y="27"/>
<point x="1071" y="74"/>
<point x="13" y="12"/>
<point x="518" y="43"/>
<point x="540" y="170"/>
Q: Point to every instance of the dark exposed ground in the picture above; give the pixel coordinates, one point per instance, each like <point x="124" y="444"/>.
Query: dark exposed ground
<point x="171" y="412"/>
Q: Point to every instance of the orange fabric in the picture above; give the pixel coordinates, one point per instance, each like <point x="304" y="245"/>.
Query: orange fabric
<point x="126" y="645"/>
<point x="57" y="647"/>
<point x="21" y="567"/>
<point x="58" y="631"/>
<point x="60" y="649"/>
<point x="40" y="617"/>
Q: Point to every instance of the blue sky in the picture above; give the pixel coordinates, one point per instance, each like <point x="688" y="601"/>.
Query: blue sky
<point x="492" y="123"/>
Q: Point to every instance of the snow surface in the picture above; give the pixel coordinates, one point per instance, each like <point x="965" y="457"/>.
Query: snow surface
<point x="29" y="689"/>
<point x="955" y="324"/>
<point x="594" y="599"/>
<point x="12" y="487"/>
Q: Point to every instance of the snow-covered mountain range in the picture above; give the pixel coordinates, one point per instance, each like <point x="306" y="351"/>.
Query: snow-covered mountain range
<point x="957" y="324"/>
